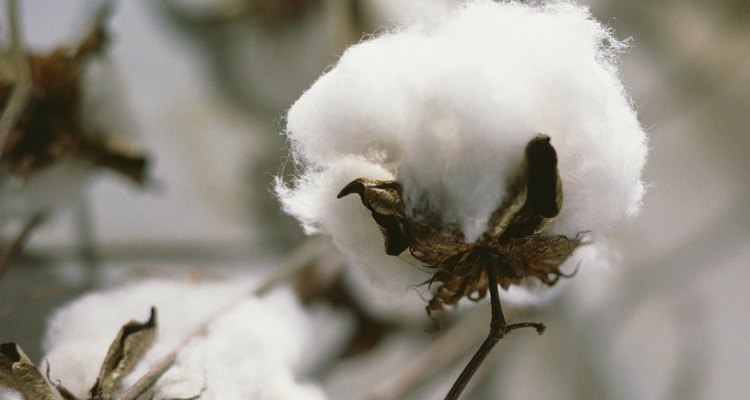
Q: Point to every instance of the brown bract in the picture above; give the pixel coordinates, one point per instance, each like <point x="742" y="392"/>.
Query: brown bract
<point x="49" y="125"/>
<point x="514" y="244"/>
<point x="132" y="342"/>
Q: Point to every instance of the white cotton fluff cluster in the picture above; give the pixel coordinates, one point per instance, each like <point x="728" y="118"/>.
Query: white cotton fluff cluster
<point x="447" y="108"/>
<point x="10" y="394"/>
<point x="252" y="348"/>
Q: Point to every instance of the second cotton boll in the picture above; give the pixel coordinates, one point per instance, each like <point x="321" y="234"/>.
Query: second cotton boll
<point x="447" y="108"/>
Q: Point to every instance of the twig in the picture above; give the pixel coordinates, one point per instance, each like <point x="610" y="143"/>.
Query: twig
<point x="7" y="256"/>
<point x="16" y="35"/>
<point x="498" y="329"/>
<point x="149" y="379"/>
<point x="308" y="252"/>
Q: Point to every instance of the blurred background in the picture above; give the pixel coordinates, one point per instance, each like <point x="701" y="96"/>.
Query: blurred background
<point x="202" y="88"/>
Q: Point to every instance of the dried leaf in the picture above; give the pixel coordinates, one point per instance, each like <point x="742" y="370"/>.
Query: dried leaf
<point x="514" y="242"/>
<point x="19" y="373"/>
<point x="124" y="353"/>
<point x="46" y="125"/>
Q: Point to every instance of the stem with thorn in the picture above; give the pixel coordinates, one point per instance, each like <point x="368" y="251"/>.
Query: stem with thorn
<point x="498" y="329"/>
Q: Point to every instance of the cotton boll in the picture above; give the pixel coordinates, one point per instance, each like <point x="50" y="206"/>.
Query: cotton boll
<point x="447" y="109"/>
<point x="251" y="340"/>
<point x="248" y="352"/>
<point x="79" y="334"/>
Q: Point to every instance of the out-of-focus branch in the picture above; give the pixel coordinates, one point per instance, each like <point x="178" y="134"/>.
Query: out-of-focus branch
<point x="7" y="256"/>
<point x="22" y="91"/>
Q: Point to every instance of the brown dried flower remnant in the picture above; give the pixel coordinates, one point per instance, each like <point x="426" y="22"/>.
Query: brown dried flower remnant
<point x="514" y="243"/>
<point x="49" y="125"/>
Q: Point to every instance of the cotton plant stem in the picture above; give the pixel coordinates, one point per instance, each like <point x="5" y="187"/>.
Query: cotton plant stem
<point x="288" y="268"/>
<point x="498" y="329"/>
<point x="7" y="256"/>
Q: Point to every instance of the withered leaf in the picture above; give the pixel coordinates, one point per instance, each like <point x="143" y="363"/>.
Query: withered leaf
<point x="514" y="243"/>
<point x="131" y="343"/>
<point x="19" y="373"/>
<point x="49" y="126"/>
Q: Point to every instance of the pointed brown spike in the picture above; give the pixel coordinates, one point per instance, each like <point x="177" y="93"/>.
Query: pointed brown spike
<point x="544" y="187"/>
<point x="356" y="186"/>
<point x="383" y="199"/>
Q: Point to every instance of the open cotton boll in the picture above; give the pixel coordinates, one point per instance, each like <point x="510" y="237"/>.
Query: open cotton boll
<point x="447" y="108"/>
<point x="251" y="350"/>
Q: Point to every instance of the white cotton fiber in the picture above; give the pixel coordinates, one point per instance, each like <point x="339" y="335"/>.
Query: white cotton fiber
<point x="10" y="394"/>
<point x="447" y="108"/>
<point x="252" y="348"/>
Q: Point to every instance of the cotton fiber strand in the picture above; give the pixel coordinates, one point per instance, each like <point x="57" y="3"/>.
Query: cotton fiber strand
<point x="447" y="108"/>
<point x="251" y="350"/>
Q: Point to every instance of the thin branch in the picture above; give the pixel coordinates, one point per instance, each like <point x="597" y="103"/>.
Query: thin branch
<point x="13" y="110"/>
<point x="148" y="380"/>
<point x="498" y="329"/>
<point x="9" y="254"/>
<point x="16" y="35"/>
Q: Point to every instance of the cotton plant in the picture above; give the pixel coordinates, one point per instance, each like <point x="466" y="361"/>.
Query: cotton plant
<point x="50" y="141"/>
<point x="486" y="149"/>
<point x="208" y="340"/>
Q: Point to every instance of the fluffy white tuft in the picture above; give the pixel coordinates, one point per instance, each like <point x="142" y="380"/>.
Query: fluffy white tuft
<point x="447" y="109"/>
<point x="251" y="351"/>
<point x="9" y="394"/>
